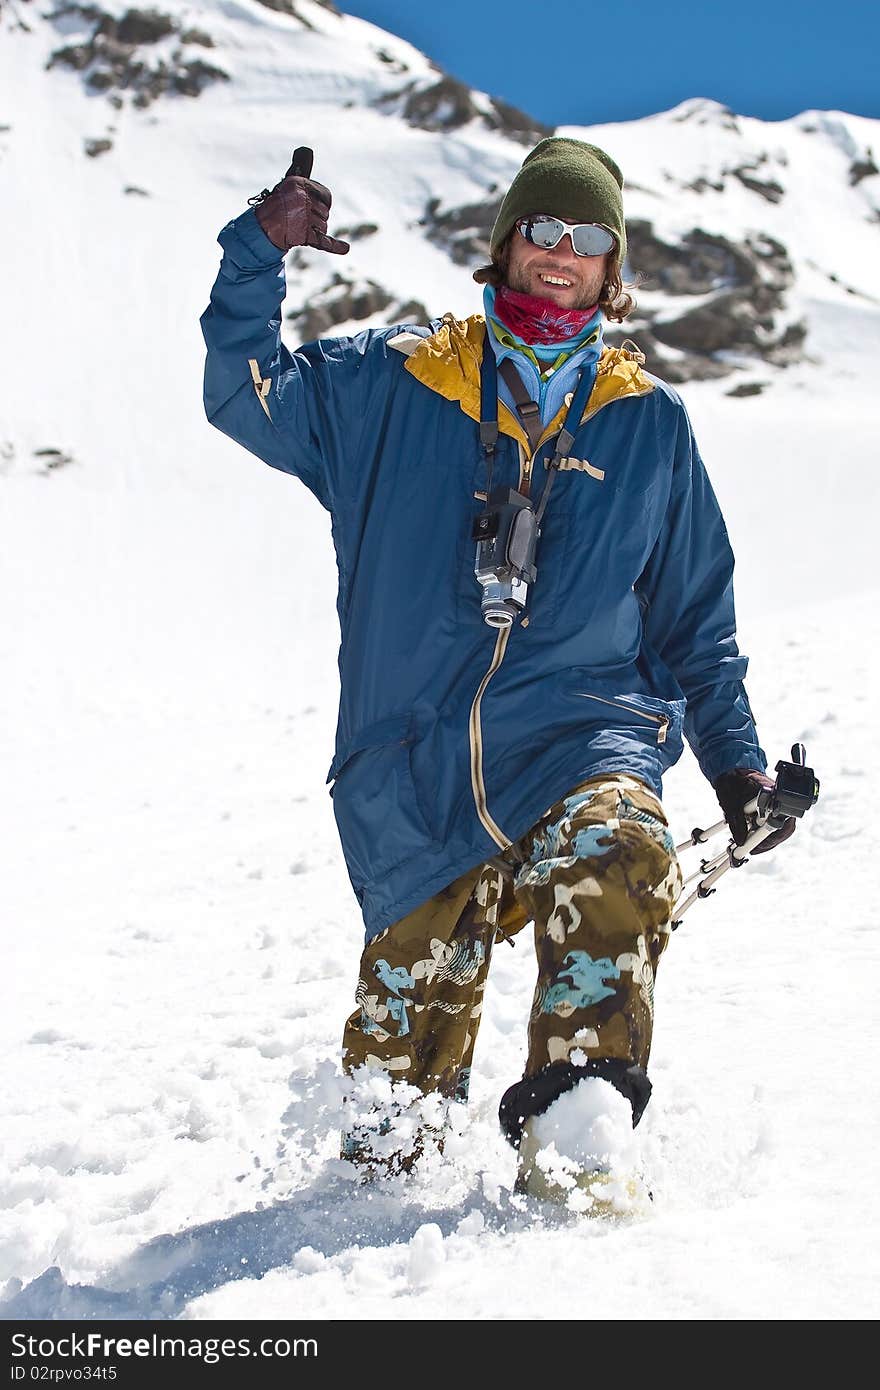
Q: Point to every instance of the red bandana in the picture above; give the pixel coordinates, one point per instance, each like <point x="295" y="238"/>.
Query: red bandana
<point x="539" y="320"/>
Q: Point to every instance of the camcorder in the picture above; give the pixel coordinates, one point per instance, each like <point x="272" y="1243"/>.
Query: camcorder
<point x="796" y="790"/>
<point x="507" y="536"/>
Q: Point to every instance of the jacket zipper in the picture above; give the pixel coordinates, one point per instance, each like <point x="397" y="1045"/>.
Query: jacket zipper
<point x="475" y="733"/>
<point x="659" y="719"/>
<point x="525" y="472"/>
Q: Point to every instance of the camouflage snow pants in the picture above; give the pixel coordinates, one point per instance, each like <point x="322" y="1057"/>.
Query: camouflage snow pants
<point x="598" y="876"/>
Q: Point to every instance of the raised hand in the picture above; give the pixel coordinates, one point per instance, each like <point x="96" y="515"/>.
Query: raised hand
<point x="296" y="210"/>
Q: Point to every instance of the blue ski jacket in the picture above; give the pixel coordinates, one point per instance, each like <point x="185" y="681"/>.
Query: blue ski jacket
<point x="454" y="738"/>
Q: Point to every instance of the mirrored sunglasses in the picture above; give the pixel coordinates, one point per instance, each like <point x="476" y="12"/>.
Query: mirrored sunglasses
<point x="587" y="238"/>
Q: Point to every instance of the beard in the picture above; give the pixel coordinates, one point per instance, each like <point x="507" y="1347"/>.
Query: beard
<point x="527" y="280"/>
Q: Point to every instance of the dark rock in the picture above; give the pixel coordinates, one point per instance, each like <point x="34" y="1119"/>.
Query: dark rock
<point x="700" y="263"/>
<point x="139" y="26"/>
<point x="53" y="458"/>
<point x="75" y="55"/>
<point x="675" y="368"/>
<point x="95" y="147"/>
<point x="705" y="112"/>
<point x="114" y="51"/>
<point x="287" y="7"/>
<point x="111" y="61"/>
<point x="748" y="388"/>
<point x="731" y="323"/>
<point x="701" y="185"/>
<point x="788" y="348"/>
<point x="448" y="104"/>
<point x="197" y="36"/>
<point x="862" y="168"/>
<point x="345" y="301"/>
<point x="722" y="324"/>
<point x="101" y="80"/>
<point x="393" y="64"/>
<point x="516" y="123"/>
<point x="340" y="302"/>
<point x="462" y="232"/>
<point x="191" y="79"/>
<point x="741" y="287"/>
<point x="133" y="189"/>
<point x="413" y="311"/>
<point x="769" y="189"/>
<point x="358" y="233"/>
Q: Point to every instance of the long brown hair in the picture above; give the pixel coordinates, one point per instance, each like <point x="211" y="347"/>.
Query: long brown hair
<point x="615" y="301"/>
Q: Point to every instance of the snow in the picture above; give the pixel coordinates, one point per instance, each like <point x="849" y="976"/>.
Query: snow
<point x="590" y="1124"/>
<point x="181" y="940"/>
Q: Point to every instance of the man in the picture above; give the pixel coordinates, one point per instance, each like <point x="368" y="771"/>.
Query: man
<point x="504" y="722"/>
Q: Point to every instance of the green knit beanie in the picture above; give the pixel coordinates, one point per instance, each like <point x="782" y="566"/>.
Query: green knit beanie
<point x="567" y="178"/>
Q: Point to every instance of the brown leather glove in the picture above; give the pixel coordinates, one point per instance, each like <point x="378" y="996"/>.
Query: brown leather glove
<point x="734" y="791"/>
<point x="295" y="212"/>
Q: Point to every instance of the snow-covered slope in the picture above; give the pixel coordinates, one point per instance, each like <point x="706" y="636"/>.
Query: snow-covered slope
<point x="115" y="186"/>
<point x="181" y="942"/>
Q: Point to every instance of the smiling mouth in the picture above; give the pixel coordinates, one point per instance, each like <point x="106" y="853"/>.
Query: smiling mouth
<point x="555" y="280"/>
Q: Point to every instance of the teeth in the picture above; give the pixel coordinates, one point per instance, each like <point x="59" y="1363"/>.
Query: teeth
<point x="556" y="280"/>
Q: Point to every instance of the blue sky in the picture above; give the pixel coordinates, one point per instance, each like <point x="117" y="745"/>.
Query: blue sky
<point x="581" y="64"/>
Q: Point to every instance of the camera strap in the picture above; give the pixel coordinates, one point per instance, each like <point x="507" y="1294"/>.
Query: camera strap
<point x="529" y="411"/>
<point x="531" y="421"/>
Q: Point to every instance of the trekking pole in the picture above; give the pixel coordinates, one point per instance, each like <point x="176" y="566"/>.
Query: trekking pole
<point x="795" y="791"/>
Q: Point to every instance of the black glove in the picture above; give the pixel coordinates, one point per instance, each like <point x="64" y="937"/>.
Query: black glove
<point x="295" y="212"/>
<point x="734" y="791"/>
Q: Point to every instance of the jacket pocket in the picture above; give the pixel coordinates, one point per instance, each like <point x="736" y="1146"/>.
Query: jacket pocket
<point x="378" y="815"/>
<point x="657" y="721"/>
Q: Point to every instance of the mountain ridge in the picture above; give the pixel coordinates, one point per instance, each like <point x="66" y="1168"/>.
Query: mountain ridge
<point x="147" y="129"/>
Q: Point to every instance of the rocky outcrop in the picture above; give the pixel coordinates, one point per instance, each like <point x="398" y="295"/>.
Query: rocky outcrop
<point x="462" y="232"/>
<point x="359" y="232"/>
<point x="113" y="58"/>
<point x="347" y="301"/>
<point x="747" y="388"/>
<point x="741" y="309"/>
<point x="447" y="104"/>
<point x="768" y="189"/>
<point x="705" y="112"/>
<point x="394" y="64"/>
<point x="862" y="168"/>
<point x="697" y="264"/>
<point x="289" y="7"/>
<point x="756" y="174"/>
